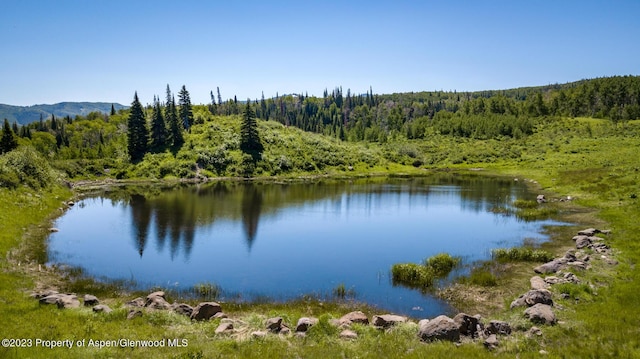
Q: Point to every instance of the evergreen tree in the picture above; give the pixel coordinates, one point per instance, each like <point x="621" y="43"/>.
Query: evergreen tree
<point x="185" y="111"/>
<point x="113" y="110"/>
<point x="158" y="128"/>
<point x="173" y="123"/>
<point x="249" y="137"/>
<point x="8" y="140"/>
<point x="138" y="135"/>
<point x="219" y="97"/>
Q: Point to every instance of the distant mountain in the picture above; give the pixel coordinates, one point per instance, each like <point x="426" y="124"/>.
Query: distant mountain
<point x="27" y="114"/>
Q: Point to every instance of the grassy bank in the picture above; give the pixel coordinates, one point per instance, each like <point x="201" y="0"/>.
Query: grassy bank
<point x="592" y="161"/>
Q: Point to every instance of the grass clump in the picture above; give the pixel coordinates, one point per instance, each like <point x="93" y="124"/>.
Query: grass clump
<point x="521" y="254"/>
<point x="442" y="263"/>
<point x="423" y="275"/>
<point x="412" y="275"/>
<point x="341" y="292"/>
<point x="480" y="276"/>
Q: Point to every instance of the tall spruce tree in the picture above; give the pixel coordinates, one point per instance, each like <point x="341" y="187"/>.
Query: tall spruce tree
<point x="8" y="140"/>
<point x="185" y="111"/>
<point x="249" y="137"/>
<point x="158" y="128"/>
<point x="173" y="123"/>
<point x="138" y="134"/>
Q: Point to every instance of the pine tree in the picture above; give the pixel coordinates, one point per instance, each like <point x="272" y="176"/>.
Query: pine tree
<point x="185" y="111"/>
<point x="158" y="128"/>
<point x="173" y="123"/>
<point x="113" y="110"/>
<point x="249" y="137"/>
<point x="138" y="135"/>
<point x="8" y="140"/>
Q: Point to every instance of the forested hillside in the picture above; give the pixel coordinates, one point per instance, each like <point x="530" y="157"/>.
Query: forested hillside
<point x="26" y="114"/>
<point x="266" y="137"/>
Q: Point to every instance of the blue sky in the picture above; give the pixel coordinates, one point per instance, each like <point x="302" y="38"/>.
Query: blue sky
<point x="104" y="50"/>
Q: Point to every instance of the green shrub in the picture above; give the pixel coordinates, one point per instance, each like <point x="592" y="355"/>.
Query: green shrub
<point x="29" y="167"/>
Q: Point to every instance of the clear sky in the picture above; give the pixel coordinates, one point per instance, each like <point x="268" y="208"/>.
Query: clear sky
<point x="104" y="50"/>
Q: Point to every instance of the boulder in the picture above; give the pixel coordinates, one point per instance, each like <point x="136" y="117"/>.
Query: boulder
<point x="51" y="298"/>
<point x="182" y="308"/>
<point x="305" y="323"/>
<point x="205" y="310"/>
<point x="588" y="232"/>
<point x="541" y="198"/>
<point x="582" y="241"/>
<point x="134" y="313"/>
<point x="274" y="324"/>
<point x="551" y="267"/>
<point x="90" y="300"/>
<point x="284" y="330"/>
<point x="499" y="327"/>
<point x="540" y="314"/>
<point x="491" y="342"/>
<point x="354" y="317"/>
<point x="46" y="293"/>
<point x="157" y="303"/>
<point x="68" y="301"/>
<point x="348" y="334"/>
<point x="533" y="297"/>
<point x="137" y="302"/>
<point x="439" y="328"/>
<point x="152" y="296"/>
<point x="258" y="334"/>
<point x="387" y="320"/>
<point x="220" y="315"/>
<point x="534" y="331"/>
<point x="102" y="308"/>
<point x="468" y="325"/>
<point x="538" y="283"/>
<point x="224" y="327"/>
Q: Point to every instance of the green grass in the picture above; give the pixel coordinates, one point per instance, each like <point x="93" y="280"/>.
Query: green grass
<point x="524" y="254"/>
<point x="593" y="161"/>
<point x="422" y="276"/>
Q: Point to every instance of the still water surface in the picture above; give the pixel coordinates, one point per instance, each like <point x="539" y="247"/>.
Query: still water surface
<point x="282" y="241"/>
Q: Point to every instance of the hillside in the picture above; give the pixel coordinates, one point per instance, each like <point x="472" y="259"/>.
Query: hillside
<point x="26" y="114"/>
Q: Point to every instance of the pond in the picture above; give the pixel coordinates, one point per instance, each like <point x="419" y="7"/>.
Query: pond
<point x="258" y="241"/>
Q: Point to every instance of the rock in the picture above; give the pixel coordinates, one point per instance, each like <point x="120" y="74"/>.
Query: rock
<point x="588" y="232"/>
<point x="534" y="331"/>
<point x="71" y="203"/>
<point x="491" y="342"/>
<point x="51" y="298"/>
<point x="284" y="330"/>
<point x="220" y="315"/>
<point x="354" y="317"/>
<point x="582" y="241"/>
<point x="205" y="310"/>
<point x="152" y="296"/>
<point x="53" y="230"/>
<point x="468" y="325"/>
<point x="90" y="300"/>
<point x="579" y="265"/>
<point x="224" y="327"/>
<point x="305" y="323"/>
<point x="422" y="322"/>
<point x="134" y="313"/>
<point x="541" y="198"/>
<point x="102" y="308"/>
<point x="182" y="308"/>
<point x="540" y="314"/>
<point x="387" y="320"/>
<point x="137" y="302"/>
<point x="46" y="293"/>
<point x="348" y="334"/>
<point x="570" y="255"/>
<point x="274" y="324"/>
<point x="606" y="231"/>
<point x="533" y="297"/>
<point x="258" y="334"/>
<point x="440" y="328"/>
<point x="68" y="301"/>
<point x="551" y="267"/>
<point x="499" y="327"/>
<point x="157" y="302"/>
<point x="538" y="283"/>
<point x="571" y="278"/>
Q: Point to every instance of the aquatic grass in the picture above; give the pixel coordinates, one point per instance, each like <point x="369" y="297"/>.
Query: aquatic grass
<point x="442" y="263"/>
<point x="535" y="214"/>
<point x="525" y="203"/>
<point x="412" y="275"/>
<point x="481" y="276"/>
<point x="521" y="254"/>
<point x="341" y="292"/>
